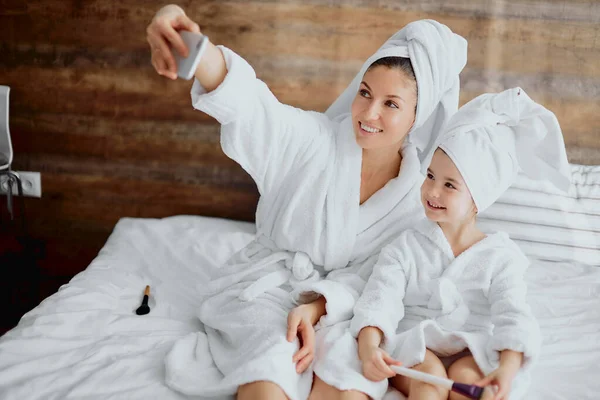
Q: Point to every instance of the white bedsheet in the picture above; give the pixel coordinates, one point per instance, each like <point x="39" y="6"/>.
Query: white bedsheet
<point x="85" y="341"/>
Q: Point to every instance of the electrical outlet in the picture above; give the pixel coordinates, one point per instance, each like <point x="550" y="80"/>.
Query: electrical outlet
<point x="31" y="182"/>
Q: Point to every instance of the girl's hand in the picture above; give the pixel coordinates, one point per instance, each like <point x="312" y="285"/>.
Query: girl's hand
<point x="300" y="323"/>
<point x="162" y="33"/>
<point x="376" y="363"/>
<point x="501" y="378"/>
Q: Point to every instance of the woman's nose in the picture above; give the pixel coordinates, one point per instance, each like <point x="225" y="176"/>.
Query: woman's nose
<point x="372" y="112"/>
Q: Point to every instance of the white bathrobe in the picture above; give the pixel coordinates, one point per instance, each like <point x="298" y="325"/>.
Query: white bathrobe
<point x="421" y="296"/>
<point x="308" y="171"/>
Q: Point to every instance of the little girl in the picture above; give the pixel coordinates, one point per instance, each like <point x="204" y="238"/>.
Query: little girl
<point x="444" y="297"/>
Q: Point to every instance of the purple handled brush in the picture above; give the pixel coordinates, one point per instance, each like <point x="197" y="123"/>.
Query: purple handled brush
<point x="470" y="391"/>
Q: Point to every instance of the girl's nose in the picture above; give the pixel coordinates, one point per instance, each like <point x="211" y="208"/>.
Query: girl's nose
<point x="434" y="192"/>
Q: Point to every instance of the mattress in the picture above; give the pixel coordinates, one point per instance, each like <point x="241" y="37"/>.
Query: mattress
<point x="85" y="341"/>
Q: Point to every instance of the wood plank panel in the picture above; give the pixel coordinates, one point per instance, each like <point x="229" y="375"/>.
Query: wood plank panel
<point x="257" y="29"/>
<point x="199" y="152"/>
<point x="170" y="172"/>
<point x="150" y="130"/>
<point x="93" y="66"/>
<point x="112" y="139"/>
<point x="570" y="10"/>
<point x="88" y="213"/>
<point x="564" y="10"/>
<point x="103" y="138"/>
<point x="108" y="93"/>
<point x="579" y="117"/>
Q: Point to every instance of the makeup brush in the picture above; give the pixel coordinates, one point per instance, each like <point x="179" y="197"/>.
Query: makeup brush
<point x="469" y="391"/>
<point x="143" y="309"/>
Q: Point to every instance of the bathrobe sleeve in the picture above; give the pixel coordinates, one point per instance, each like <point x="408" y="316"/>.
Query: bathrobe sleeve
<point x="267" y="138"/>
<point x="515" y="327"/>
<point x="341" y="288"/>
<point x="381" y="303"/>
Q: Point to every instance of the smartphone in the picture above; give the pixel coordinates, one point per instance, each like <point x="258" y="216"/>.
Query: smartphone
<point x="196" y="44"/>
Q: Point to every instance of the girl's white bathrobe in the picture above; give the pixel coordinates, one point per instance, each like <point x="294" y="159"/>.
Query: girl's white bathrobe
<point x="421" y="296"/>
<point x="307" y="168"/>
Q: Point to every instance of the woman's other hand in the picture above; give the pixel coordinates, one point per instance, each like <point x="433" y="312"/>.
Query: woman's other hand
<point x="301" y="322"/>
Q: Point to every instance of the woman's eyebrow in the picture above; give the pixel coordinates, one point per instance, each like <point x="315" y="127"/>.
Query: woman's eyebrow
<point x="396" y="97"/>
<point x="389" y="95"/>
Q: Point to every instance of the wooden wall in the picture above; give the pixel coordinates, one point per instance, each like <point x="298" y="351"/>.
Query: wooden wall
<point x="113" y="139"/>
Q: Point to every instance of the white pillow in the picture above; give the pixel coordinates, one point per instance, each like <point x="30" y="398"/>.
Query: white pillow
<point x="548" y="224"/>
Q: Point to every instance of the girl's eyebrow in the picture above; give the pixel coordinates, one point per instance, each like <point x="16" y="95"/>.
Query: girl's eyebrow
<point x="389" y="95"/>
<point x="452" y="180"/>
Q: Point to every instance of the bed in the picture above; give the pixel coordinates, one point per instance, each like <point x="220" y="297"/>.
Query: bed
<point x="85" y="341"/>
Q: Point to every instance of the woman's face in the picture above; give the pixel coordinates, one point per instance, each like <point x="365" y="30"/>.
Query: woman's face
<point x="383" y="110"/>
<point x="444" y="194"/>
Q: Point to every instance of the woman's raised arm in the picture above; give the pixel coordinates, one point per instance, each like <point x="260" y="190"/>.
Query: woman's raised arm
<point x="163" y="35"/>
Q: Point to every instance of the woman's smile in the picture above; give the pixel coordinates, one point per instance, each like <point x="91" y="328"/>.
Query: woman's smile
<point x="368" y="130"/>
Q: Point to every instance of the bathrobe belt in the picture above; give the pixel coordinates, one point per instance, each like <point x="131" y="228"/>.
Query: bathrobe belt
<point x="446" y="306"/>
<point x="298" y="269"/>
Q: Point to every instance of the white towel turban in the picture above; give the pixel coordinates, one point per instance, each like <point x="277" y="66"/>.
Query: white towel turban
<point x="494" y="135"/>
<point x="437" y="56"/>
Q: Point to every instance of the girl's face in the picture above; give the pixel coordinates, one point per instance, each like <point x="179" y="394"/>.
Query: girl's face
<point x="383" y="110"/>
<point x="444" y="194"/>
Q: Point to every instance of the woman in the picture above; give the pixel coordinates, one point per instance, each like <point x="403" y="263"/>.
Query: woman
<point x="334" y="188"/>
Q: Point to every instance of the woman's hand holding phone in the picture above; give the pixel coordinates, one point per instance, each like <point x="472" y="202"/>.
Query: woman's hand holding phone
<point x="163" y="35"/>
